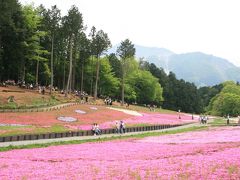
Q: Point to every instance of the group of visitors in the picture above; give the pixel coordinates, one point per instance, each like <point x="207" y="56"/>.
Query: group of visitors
<point x="24" y="85"/>
<point x="83" y="96"/>
<point x="3" y="84"/>
<point x="120" y="127"/>
<point x="152" y="107"/>
<point x="8" y="82"/>
<point x="41" y="90"/>
<point x="203" y="119"/>
<point x="96" y="130"/>
<point x="108" y="101"/>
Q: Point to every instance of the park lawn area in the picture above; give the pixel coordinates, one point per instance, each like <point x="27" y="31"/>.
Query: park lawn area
<point x="222" y="122"/>
<point x="23" y="98"/>
<point x="14" y="130"/>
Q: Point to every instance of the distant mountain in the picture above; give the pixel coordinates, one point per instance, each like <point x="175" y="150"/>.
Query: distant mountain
<point x="197" y="67"/>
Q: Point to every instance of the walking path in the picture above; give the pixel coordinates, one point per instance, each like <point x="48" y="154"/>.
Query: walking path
<point x="131" y="112"/>
<point x="44" y="141"/>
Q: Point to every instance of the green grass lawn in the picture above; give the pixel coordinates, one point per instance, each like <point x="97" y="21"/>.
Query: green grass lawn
<point x="221" y="122"/>
<point x="23" y="130"/>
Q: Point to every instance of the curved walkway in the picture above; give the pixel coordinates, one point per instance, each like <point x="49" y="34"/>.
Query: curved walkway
<point x="44" y="141"/>
<point x="127" y="111"/>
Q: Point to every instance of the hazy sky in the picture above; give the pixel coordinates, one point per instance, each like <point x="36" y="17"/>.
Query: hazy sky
<point x="210" y="26"/>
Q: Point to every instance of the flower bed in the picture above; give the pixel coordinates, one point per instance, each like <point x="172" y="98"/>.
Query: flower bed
<point x="131" y="159"/>
<point x="50" y="118"/>
<point x="149" y="119"/>
<point x="86" y="116"/>
<point x="215" y="135"/>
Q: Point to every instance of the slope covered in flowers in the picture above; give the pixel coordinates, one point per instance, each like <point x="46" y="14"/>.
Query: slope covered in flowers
<point x="50" y="118"/>
<point x="84" y="116"/>
<point x="193" y="155"/>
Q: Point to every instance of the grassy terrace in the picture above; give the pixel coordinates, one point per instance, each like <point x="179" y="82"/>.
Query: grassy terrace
<point x="26" y="99"/>
<point x="22" y="130"/>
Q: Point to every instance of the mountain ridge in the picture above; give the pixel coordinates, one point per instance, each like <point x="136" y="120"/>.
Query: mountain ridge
<point x="197" y="67"/>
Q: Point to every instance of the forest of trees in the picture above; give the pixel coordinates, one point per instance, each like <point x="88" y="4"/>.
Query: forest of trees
<point x="42" y="47"/>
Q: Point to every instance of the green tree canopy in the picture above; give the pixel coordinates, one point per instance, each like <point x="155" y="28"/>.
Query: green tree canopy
<point x="227" y="101"/>
<point x="146" y="87"/>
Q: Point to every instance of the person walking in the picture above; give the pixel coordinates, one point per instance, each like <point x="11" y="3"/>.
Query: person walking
<point x="122" y="127"/>
<point x="228" y="119"/>
<point x="117" y="124"/>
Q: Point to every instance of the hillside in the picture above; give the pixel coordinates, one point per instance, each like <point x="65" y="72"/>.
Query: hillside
<point x="200" y="68"/>
<point x="197" y="67"/>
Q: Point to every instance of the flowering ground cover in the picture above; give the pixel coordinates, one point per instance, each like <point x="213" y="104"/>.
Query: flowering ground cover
<point x="40" y="120"/>
<point x="102" y="115"/>
<point x="145" y="119"/>
<point x="49" y="118"/>
<point x="147" y="158"/>
<point x="214" y="135"/>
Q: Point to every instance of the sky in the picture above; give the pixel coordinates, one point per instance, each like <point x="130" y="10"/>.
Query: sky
<point x="209" y="26"/>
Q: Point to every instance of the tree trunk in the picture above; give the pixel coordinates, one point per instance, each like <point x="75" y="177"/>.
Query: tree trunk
<point x="51" y="86"/>
<point x="74" y="69"/>
<point x="36" y="83"/>
<point x="23" y="71"/>
<point x="82" y="77"/>
<point x="70" y="69"/>
<point x="97" y="75"/>
<point x="64" y="75"/>
<point x="91" y="85"/>
<point x="122" y="84"/>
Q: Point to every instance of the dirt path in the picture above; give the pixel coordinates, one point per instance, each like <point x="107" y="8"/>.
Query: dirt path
<point x="131" y="112"/>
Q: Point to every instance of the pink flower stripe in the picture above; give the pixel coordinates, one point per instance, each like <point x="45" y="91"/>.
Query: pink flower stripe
<point x="219" y="135"/>
<point x="150" y="119"/>
<point x="130" y="159"/>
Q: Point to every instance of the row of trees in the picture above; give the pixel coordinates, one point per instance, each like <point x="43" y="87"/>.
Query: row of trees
<point x="40" y="46"/>
<point x="227" y="101"/>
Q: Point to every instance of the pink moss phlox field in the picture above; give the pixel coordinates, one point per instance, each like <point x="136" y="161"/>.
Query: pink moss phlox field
<point x="151" y="119"/>
<point x="219" y="135"/>
<point x="158" y="118"/>
<point x="131" y="159"/>
<point x="50" y="118"/>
